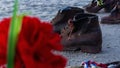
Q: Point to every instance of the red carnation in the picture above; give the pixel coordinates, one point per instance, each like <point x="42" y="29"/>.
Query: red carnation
<point x="36" y="42"/>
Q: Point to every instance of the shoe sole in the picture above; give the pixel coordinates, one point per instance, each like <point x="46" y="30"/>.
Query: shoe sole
<point x="110" y="22"/>
<point x="91" y="49"/>
<point x="85" y="49"/>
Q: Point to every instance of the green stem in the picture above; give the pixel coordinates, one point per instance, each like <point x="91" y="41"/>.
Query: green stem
<point x="14" y="30"/>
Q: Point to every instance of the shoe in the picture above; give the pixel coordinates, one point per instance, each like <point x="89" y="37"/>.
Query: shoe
<point x="83" y="32"/>
<point x="63" y="16"/>
<point x="115" y="64"/>
<point x="108" y="5"/>
<point x="92" y="4"/>
<point x="114" y="17"/>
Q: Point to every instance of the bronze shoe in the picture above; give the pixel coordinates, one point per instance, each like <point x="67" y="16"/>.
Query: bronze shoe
<point x="108" y="5"/>
<point x="115" y="64"/>
<point x="92" y="4"/>
<point x="114" y="17"/>
<point x="63" y="16"/>
<point x="83" y="32"/>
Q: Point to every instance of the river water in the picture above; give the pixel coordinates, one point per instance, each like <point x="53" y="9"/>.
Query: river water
<point x="44" y="9"/>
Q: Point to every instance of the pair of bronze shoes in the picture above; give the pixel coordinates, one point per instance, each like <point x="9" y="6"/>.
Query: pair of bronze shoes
<point x="78" y="30"/>
<point x="94" y="6"/>
<point x="112" y="6"/>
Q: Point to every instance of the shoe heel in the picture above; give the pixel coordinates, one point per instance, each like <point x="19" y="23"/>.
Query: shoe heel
<point x="108" y="8"/>
<point x="91" y="49"/>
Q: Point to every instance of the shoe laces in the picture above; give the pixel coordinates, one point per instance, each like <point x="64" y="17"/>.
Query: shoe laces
<point x="68" y="30"/>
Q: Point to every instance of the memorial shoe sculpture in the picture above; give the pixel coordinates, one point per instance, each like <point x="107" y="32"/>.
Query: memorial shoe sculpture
<point x="97" y="5"/>
<point x="83" y="32"/>
<point x="114" y="17"/>
<point x="63" y="16"/>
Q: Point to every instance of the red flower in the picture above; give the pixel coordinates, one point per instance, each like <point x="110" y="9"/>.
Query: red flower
<point x="35" y="45"/>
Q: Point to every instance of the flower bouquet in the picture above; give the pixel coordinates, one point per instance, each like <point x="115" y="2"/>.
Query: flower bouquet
<point x="28" y="42"/>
